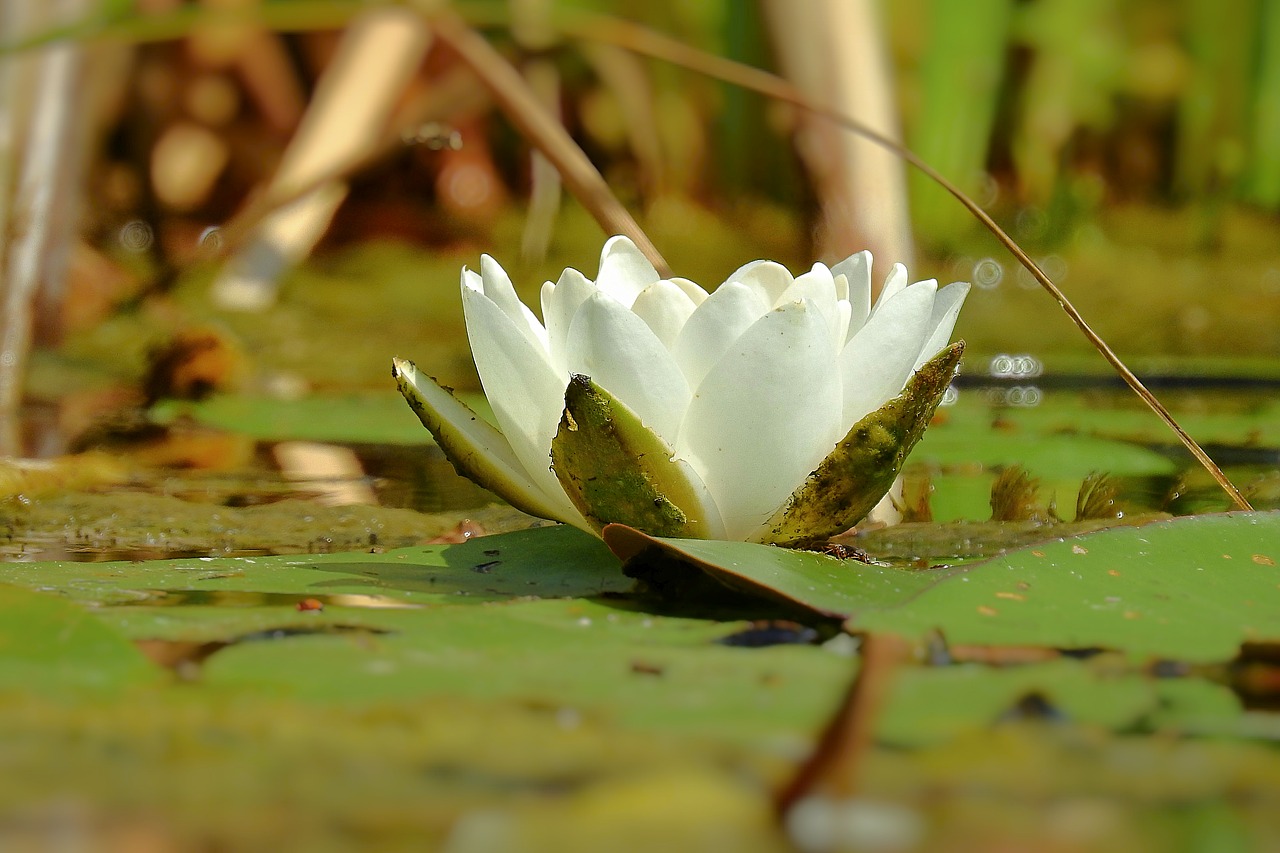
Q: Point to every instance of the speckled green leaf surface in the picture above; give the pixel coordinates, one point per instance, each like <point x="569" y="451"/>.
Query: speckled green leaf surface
<point x="1190" y="589"/>
<point x="558" y="561"/>
<point x="826" y="584"/>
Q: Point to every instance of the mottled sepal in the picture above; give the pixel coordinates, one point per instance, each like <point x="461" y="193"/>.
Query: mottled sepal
<point x="615" y="469"/>
<point x="477" y="450"/>
<point x="858" y="473"/>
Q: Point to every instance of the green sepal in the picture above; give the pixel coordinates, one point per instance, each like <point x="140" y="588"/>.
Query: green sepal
<point x="857" y="474"/>
<point x="476" y="449"/>
<point x="616" y="469"/>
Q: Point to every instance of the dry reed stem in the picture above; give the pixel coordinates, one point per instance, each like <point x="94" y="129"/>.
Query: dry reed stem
<point x="832" y="51"/>
<point x="379" y="53"/>
<point x="40" y="217"/>
<point x="545" y="132"/>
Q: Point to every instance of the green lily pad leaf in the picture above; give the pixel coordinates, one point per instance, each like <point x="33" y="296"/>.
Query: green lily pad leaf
<point x="856" y="475"/>
<point x="931" y="704"/>
<point x="615" y="469"/>
<point x="590" y="657"/>
<point x="1056" y="458"/>
<point x="819" y="582"/>
<point x="369" y="418"/>
<point x="48" y="644"/>
<point x="476" y="448"/>
<point x="1190" y="589"/>
<point x="1197" y="705"/>
<point x="239" y="595"/>
<point x="535" y="618"/>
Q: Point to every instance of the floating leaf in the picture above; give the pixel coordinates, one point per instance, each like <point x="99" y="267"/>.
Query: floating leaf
<point x="556" y="561"/>
<point x="967" y="436"/>
<point x="930" y="704"/>
<point x="366" y="418"/>
<point x="1190" y="589"/>
<point x="820" y="582"/>
<point x="51" y="644"/>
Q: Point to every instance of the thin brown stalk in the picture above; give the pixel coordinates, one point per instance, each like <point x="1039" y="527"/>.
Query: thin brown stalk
<point x="544" y="131"/>
<point x="523" y="107"/>
<point x="650" y="43"/>
<point x="832" y="768"/>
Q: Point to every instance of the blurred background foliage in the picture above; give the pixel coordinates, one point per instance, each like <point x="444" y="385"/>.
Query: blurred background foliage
<point x="1130" y="146"/>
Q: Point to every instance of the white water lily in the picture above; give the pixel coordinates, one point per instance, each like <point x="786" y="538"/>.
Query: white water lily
<point x="723" y="405"/>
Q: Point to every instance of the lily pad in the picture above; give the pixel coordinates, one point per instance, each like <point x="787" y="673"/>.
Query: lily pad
<point x="1190" y="589"/>
<point x="933" y="704"/>
<point x="47" y="644"/>
<point x="536" y="617"/>
<point x="367" y="417"/>
<point x="551" y="562"/>
<point x="820" y="582"/>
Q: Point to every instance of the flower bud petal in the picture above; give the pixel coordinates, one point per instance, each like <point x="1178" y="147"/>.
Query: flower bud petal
<point x="765" y="415"/>
<point x="618" y="349"/>
<point x="946" y="308"/>
<point x="615" y="469"/>
<point x="475" y="448"/>
<point x="878" y="360"/>
<point x="858" y="473"/>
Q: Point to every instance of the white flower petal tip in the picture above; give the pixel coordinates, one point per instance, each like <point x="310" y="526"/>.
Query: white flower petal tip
<point x="778" y="408"/>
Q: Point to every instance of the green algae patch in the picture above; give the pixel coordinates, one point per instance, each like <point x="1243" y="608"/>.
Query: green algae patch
<point x="157" y="525"/>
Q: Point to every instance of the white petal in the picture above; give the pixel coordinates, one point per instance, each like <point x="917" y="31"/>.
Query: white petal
<point x="560" y="301"/>
<point x="692" y="290"/>
<point x="666" y="307"/>
<point x="894" y="283"/>
<point x="819" y="286"/>
<point x="497" y="286"/>
<point x="621" y="354"/>
<point x="472" y="280"/>
<point x="878" y="360"/>
<point x="841" y="282"/>
<point x="714" y="326"/>
<point x="843" y="321"/>
<point x="857" y="271"/>
<point x="767" y="278"/>
<point x="526" y="394"/>
<point x="765" y="416"/>
<point x="942" y="320"/>
<point x="624" y="270"/>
